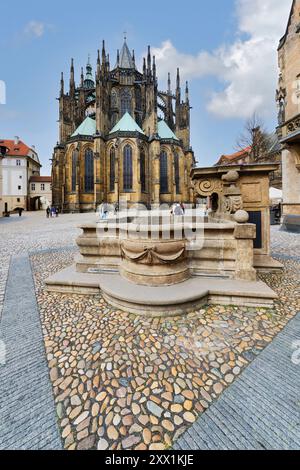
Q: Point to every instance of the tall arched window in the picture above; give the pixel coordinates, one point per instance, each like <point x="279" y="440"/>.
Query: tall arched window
<point x="177" y="175"/>
<point x="74" y="169"/>
<point x="164" y="180"/>
<point x="138" y="99"/>
<point x="89" y="171"/>
<point x="112" y="176"/>
<point x="143" y="171"/>
<point x="114" y="99"/>
<point x="125" y="101"/>
<point x="127" y="168"/>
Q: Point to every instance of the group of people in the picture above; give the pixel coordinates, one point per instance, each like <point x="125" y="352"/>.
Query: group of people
<point x="51" y="212"/>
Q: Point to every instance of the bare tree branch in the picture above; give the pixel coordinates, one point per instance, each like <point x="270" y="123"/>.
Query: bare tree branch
<point x="254" y="136"/>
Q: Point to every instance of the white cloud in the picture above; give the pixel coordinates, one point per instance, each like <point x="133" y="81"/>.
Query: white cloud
<point x="247" y="67"/>
<point x="35" y="28"/>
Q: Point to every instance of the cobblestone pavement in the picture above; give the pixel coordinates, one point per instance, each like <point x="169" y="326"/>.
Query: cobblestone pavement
<point x="261" y="409"/>
<point x="122" y="382"/>
<point x="33" y="231"/>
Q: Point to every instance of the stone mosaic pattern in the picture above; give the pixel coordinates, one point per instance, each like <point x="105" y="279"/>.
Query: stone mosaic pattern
<point x="122" y="382"/>
<point x="31" y="232"/>
<point x="261" y="409"/>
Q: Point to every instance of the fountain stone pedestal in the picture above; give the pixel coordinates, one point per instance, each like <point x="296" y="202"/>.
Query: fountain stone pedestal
<point x="168" y="274"/>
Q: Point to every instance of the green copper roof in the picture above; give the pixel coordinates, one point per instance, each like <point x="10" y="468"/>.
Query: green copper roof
<point x="87" y="127"/>
<point x="164" y="131"/>
<point x="127" y="124"/>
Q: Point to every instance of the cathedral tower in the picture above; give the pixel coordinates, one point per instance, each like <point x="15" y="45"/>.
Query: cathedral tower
<point x="120" y="136"/>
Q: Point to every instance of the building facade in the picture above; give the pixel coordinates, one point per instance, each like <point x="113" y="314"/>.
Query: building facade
<point x="18" y="165"/>
<point x="40" y="192"/>
<point x="272" y="155"/>
<point x="120" y="137"/>
<point x="288" y="99"/>
<point x="2" y="152"/>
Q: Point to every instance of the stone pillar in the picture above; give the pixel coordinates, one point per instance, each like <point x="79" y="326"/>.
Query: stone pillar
<point x="291" y="180"/>
<point x="155" y="160"/>
<point x="244" y="235"/>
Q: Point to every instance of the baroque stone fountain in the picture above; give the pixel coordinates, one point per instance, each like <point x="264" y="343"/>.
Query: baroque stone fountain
<point x="156" y="264"/>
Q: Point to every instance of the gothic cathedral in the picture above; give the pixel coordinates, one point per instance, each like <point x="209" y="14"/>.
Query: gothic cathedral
<point x="119" y="137"/>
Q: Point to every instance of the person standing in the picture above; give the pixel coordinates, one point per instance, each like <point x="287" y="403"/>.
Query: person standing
<point x="48" y="212"/>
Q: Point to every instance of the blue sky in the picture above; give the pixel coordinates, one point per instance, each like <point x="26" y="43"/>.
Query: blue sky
<point x="216" y="44"/>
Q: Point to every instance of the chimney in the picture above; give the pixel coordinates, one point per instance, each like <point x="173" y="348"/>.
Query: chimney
<point x="17" y="140"/>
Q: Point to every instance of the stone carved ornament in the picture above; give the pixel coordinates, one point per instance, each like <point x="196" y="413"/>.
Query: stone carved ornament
<point x="166" y="253"/>
<point x="207" y="187"/>
<point x="232" y="201"/>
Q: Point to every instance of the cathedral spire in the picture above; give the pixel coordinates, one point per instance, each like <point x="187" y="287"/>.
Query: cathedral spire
<point x="144" y="67"/>
<point x="178" y="90"/>
<point x="103" y="52"/>
<point x="89" y="79"/>
<point x="133" y="57"/>
<point x="154" y="68"/>
<point x="81" y="78"/>
<point x="72" y="79"/>
<point x="126" y="59"/>
<point x="149" y="61"/>
<point x="62" y="84"/>
<point x="98" y="65"/>
<point x="169" y="83"/>
<point x="187" y="99"/>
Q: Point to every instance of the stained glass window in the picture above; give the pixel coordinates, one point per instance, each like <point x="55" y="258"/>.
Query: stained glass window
<point x="143" y="170"/>
<point x="74" y="166"/>
<point x="112" y="160"/>
<point x="127" y="168"/>
<point x="177" y="175"/>
<point x="164" y="180"/>
<point x="89" y="171"/>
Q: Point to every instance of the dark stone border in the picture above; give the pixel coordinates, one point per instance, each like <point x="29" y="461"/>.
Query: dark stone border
<point x="27" y="409"/>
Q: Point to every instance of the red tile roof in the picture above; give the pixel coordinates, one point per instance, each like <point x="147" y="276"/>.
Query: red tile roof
<point x="40" y="179"/>
<point x="234" y="156"/>
<point x="15" y="150"/>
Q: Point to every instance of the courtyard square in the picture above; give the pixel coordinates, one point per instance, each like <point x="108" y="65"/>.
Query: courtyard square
<point x="124" y="382"/>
